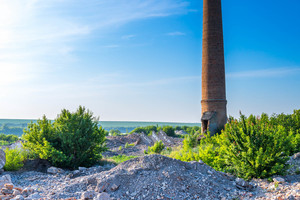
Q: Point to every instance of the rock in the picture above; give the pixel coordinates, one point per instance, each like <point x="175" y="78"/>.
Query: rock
<point x="201" y="162"/>
<point x="9" y="186"/>
<point x="16" y="192"/>
<point x="102" y="196"/>
<point x="27" y="191"/>
<point x="2" y="158"/>
<point x="155" y="137"/>
<point x="296" y="156"/>
<point x="19" y="189"/>
<point x="241" y="182"/>
<point x="181" y="132"/>
<point x="4" y="197"/>
<point x="278" y="180"/>
<point x="18" y="197"/>
<point x="34" y="196"/>
<point x="82" y="168"/>
<point x="291" y="197"/>
<point x="114" y="187"/>
<point x="54" y="170"/>
<point x="6" y="191"/>
<point x="88" y="195"/>
<point x="76" y="173"/>
<point x="4" y="180"/>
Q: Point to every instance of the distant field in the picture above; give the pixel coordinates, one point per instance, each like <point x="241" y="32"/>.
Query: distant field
<point x="16" y="126"/>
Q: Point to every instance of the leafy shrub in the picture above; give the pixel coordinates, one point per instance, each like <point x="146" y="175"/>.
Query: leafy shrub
<point x="248" y="147"/>
<point x="73" y="140"/>
<point x="146" y="130"/>
<point x="190" y="141"/>
<point x="156" y="148"/>
<point x="255" y="148"/>
<point x="292" y="123"/>
<point x="169" y="130"/>
<point x="8" y="138"/>
<point x="114" y="132"/>
<point x="14" y="159"/>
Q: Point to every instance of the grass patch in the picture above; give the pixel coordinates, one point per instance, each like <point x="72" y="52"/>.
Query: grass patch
<point x="119" y="159"/>
<point x="129" y="145"/>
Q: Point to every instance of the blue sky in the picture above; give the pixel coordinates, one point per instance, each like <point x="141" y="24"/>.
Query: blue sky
<point x="141" y="59"/>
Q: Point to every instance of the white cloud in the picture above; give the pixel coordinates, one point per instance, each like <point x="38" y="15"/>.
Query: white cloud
<point x="176" y="33"/>
<point x="48" y="31"/>
<point x="127" y="37"/>
<point x="111" y="46"/>
<point x="40" y="41"/>
<point x="263" y="73"/>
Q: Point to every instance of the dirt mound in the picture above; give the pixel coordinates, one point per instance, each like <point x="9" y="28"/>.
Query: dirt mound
<point x="139" y="143"/>
<point x="160" y="177"/>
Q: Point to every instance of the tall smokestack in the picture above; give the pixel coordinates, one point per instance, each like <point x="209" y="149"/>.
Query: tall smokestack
<point x="214" y="114"/>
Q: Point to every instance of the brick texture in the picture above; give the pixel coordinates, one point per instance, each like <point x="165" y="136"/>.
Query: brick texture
<point x="213" y="67"/>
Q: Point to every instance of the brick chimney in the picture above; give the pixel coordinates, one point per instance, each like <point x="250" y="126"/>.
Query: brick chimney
<point x="214" y="114"/>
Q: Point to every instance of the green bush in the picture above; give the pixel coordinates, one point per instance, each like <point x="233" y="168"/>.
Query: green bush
<point x="9" y="138"/>
<point x="72" y="140"/>
<point x="248" y="147"/>
<point x="14" y="159"/>
<point x="169" y="130"/>
<point x="190" y="141"/>
<point x="146" y="130"/>
<point x="114" y="132"/>
<point x="156" y="148"/>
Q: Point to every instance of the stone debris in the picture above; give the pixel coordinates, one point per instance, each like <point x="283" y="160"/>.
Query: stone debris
<point x="278" y="180"/>
<point x="294" y="162"/>
<point x="5" y="179"/>
<point x="141" y="143"/>
<point x="2" y="158"/>
<point x="54" y="170"/>
<point x="148" y="177"/>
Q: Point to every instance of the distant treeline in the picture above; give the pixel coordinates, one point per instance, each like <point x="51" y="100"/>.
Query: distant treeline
<point x="7" y="139"/>
<point x="15" y="129"/>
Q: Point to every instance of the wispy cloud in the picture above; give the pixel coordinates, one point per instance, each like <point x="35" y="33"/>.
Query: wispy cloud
<point x="263" y="73"/>
<point x="49" y="31"/>
<point x="176" y="33"/>
<point x="127" y="37"/>
<point x="111" y="46"/>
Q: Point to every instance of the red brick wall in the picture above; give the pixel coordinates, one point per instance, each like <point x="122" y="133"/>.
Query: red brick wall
<point x="213" y="68"/>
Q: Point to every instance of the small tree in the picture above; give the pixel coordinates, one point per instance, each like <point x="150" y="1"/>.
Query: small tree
<point x="157" y="147"/>
<point x="73" y="140"/>
<point x="169" y="130"/>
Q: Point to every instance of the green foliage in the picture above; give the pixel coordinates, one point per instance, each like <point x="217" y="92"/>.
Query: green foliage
<point x="120" y="148"/>
<point x="248" y="147"/>
<point x="290" y="122"/>
<point x="8" y="138"/>
<point x="129" y="145"/>
<point x="73" y="140"/>
<point x="169" y="130"/>
<point x="126" y="145"/>
<point x="190" y="141"/>
<point x="120" y="158"/>
<point x="156" y="148"/>
<point x="14" y="159"/>
<point x="114" y="132"/>
<point x="146" y="130"/>
<point x="255" y="148"/>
